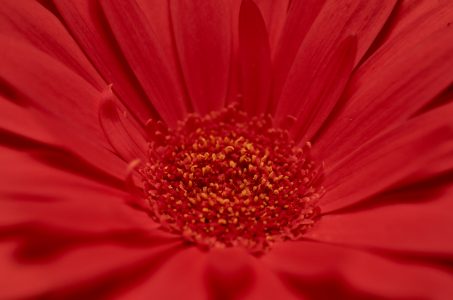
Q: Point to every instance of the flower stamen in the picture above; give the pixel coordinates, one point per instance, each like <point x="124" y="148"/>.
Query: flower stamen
<point x="227" y="179"/>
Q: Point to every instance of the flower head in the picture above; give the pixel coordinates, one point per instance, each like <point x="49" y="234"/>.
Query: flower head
<point x="226" y="149"/>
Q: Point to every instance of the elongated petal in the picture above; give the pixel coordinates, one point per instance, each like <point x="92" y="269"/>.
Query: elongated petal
<point x="124" y="137"/>
<point x="170" y="282"/>
<point x="32" y="191"/>
<point x="52" y="86"/>
<point x="418" y="220"/>
<point x="28" y="21"/>
<point x="274" y="14"/>
<point x="398" y="86"/>
<point x="336" y="21"/>
<point x="19" y="120"/>
<point x="267" y="284"/>
<point x="69" y="236"/>
<point x="318" y="87"/>
<point x="61" y="100"/>
<point x="203" y="39"/>
<point x="317" y="270"/>
<point x="99" y="271"/>
<point x="236" y="274"/>
<point x="444" y="105"/>
<point x="410" y="14"/>
<point x="255" y="57"/>
<point x="145" y="56"/>
<point x="301" y="15"/>
<point x="228" y="273"/>
<point x="234" y="89"/>
<point x="388" y="159"/>
<point x="157" y="14"/>
<point x="84" y="20"/>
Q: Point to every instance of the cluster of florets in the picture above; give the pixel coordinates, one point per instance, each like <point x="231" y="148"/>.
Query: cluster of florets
<point x="227" y="179"/>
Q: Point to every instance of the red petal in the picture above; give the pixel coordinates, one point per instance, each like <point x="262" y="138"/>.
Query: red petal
<point x="441" y="165"/>
<point x="234" y="93"/>
<point x="67" y="236"/>
<point x="157" y="14"/>
<point x="234" y="274"/>
<point x="445" y="163"/>
<point x="124" y="136"/>
<point x="388" y="159"/>
<point x="274" y="14"/>
<point x="336" y="21"/>
<point x="37" y="75"/>
<point x="97" y="272"/>
<point x="228" y="274"/>
<point x="172" y="281"/>
<point x="220" y="273"/>
<point x="53" y="93"/>
<point x="83" y="19"/>
<point x="398" y="88"/>
<point x="301" y="15"/>
<point x="255" y="58"/>
<point x="419" y="221"/>
<point x="322" y="271"/>
<point x="321" y="86"/>
<point x="203" y="39"/>
<point x="20" y="121"/>
<point x="28" y="21"/>
<point x="34" y="192"/>
<point x="146" y="58"/>
<point x="267" y="285"/>
<point x="410" y="14"/>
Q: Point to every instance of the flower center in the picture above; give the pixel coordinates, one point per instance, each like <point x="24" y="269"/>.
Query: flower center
<point x="227" y="179"/>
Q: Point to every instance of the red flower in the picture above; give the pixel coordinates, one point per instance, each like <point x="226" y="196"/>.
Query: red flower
<point x="158" y="149"/>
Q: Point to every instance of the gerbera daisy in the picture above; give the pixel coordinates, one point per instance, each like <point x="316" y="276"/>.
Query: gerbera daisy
<point x="201" y="149"/>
